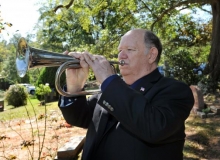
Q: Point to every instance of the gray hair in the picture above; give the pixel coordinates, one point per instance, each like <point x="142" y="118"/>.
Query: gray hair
<point x="151" y="40"/>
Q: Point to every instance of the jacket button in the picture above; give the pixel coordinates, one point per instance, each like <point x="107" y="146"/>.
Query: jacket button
<point x="111" y="108"/>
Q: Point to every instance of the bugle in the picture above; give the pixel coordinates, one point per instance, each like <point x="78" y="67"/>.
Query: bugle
<point x="28" y="58"/>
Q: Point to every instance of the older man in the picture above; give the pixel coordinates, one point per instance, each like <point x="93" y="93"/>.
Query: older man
<point x="137" y="117"/>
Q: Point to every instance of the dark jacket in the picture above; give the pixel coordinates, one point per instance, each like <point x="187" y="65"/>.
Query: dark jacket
<point x="145" y="123"/>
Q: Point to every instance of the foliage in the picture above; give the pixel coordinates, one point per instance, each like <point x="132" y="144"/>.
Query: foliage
<point x="97" y="25"/>
<point x="47" y="75"/>
<point x="1" y="94"/>
<point x="10" y="73"/>
<point x="8" y="66"/>
<point x="3" y="25"/>
<point x="206" y="110"/>
<point x="33" y="75"/>
<point x="87" y="25"/>
<point x="207" y="85"/>
<point x="16" y="95"/>
<point x="43" y="90"/>
<point x="181" y="66"/>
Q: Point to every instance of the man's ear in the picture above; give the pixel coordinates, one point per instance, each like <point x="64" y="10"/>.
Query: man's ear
<point x="153" y="55"/>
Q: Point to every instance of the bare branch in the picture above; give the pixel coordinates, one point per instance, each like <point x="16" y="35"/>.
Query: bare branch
<point x="206" y="10"/>
<point x="62" y="6"/>
<point x="178" y="4"/>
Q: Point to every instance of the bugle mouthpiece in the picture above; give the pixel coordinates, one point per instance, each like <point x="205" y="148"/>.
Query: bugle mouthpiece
<point x="121" y="62"/>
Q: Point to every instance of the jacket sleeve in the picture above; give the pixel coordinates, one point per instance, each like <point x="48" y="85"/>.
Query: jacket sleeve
<point x="80" y="112"/>
<point x="157" y="117"/>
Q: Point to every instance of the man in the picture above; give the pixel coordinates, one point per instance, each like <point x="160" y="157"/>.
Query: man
<point x="138" y="117"/>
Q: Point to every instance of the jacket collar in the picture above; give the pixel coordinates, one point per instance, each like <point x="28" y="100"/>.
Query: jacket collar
<point x="143" y="84"/>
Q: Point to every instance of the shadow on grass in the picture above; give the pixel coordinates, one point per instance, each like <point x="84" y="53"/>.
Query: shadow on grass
<point x="203" y="138"/>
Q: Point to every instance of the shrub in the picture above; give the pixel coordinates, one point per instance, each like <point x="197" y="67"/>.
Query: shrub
<point x="207" y="85"/>
<point x="181" y="65"/>
<point x="42" y="90"/>
<point x="47" y="75"/>
<point x="16" y="95"/>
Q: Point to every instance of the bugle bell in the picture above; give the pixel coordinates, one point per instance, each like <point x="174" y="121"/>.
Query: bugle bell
<point x="28" y="58"/>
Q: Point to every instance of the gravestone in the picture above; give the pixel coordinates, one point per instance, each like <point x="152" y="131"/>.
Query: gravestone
<point x="198" y="99"/>
<point x="71" y="149"/>
<point x="215" y="108"/>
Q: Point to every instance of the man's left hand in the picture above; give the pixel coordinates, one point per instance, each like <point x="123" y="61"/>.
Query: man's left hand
<point x="100" y="66"/>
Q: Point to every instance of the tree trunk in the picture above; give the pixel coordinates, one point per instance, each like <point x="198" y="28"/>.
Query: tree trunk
<point x="214" y="56"/>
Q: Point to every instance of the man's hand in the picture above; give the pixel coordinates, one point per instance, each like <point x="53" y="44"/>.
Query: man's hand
<point x="100" y="66"/>
<point x="76" y="78"/>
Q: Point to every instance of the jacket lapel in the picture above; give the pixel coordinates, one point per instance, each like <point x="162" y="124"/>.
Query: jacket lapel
<point x="144" y="84"/>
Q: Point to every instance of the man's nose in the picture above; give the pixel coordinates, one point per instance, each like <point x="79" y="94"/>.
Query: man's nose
<point x="122" y="55"/>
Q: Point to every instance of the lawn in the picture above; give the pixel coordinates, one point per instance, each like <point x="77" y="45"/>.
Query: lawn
<point x="32" y="108"/>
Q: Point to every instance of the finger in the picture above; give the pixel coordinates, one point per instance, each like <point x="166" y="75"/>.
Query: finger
<point x="75" y="54"/>
<point x="83" y="64"/>
<point x="66" y="52"/>
<point x="89" y="58"/>
<point x="98" y="57"/>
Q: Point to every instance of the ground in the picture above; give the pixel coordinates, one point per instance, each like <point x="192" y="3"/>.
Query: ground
<point x="19" y="138"/>
<point x="202" y="138"/>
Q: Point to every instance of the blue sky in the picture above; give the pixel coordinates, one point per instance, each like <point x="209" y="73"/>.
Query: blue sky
<point x="22" y="14"/>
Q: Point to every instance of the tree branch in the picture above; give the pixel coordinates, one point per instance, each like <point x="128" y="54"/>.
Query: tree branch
<point x="174" y="6"/>
<point x="62" y="6"/>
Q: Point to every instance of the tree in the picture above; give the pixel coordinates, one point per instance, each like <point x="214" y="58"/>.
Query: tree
<point x="213" y="66"/>
<point x="87" y="25"/>
<point x="105" y="21"/>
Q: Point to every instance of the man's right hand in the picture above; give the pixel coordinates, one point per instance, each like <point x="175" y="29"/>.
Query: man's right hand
<point x="76" y="78"/>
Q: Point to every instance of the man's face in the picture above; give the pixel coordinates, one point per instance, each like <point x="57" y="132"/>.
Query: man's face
<point x="133" y="51"/>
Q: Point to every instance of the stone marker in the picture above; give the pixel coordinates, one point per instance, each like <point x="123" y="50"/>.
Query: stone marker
<point x="71" y="149"/>
<point x="201" y="114"/>
<point x="198" y="98"/>
<point x="215" y="109"/>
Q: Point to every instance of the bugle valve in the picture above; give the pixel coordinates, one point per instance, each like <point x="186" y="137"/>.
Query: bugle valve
<point x="28" y="58"/>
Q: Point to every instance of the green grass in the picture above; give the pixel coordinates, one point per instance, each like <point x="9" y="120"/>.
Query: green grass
<point x="33" y="108"/>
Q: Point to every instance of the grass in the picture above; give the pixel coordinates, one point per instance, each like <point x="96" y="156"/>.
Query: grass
<point x="32" y="108"/>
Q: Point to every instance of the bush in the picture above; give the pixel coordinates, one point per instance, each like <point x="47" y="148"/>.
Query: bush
<point x="16" y="96"/>
<point x="47" y="75"/>
<point x="181" y="65"/>
<point x="207" y="85"/>
<point x="42" y="90"/>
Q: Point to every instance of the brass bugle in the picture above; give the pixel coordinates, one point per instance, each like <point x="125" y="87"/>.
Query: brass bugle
<point x="28" y="58"/>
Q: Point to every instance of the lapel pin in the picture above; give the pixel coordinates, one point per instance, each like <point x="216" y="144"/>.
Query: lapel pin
<point x="142" y="89"/>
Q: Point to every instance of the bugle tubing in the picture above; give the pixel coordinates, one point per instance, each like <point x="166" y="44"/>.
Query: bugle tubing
<point x="28" y="58"/>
